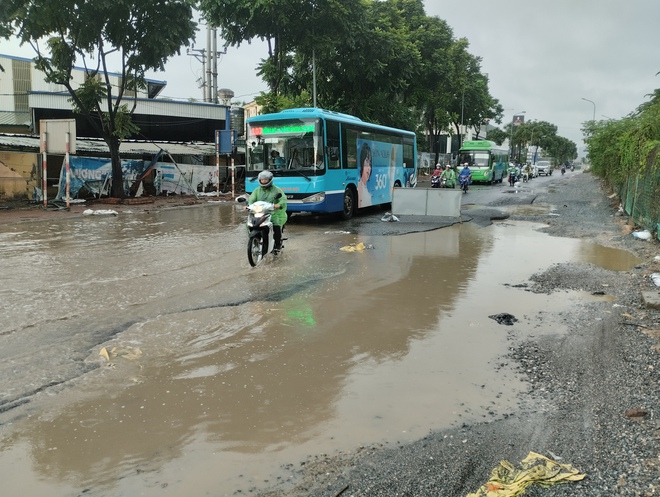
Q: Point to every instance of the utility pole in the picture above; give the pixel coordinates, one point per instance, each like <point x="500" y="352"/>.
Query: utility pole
<point x="209" y="48"/>
<point x="200" y="55"/>
<point x="209" y="59"/>
<point x="214" y="95"/>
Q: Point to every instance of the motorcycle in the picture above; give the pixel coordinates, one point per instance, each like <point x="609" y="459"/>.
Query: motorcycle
<point x="525" y="176"/>
<point x="464" y="182"/>
<point x="563" y="170"/>
<point x="261" y="241"/>
<point x="438" y="182"/>
<point x="513" y="177"/>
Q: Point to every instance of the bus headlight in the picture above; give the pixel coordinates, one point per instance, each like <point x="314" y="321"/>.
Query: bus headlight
<point x="312" y="199"/>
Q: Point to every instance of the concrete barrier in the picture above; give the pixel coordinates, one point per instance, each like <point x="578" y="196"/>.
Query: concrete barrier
<point x="427" y="202"/>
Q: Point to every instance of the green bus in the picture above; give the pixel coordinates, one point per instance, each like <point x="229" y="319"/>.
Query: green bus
<point x="487" y="160"/>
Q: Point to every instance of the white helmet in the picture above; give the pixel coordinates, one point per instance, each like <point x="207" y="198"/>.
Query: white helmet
<point x="265" y="179"/>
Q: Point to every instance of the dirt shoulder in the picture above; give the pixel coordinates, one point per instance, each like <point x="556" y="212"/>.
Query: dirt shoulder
<point x="24" y="211"/>
<point x="583" y="386"/>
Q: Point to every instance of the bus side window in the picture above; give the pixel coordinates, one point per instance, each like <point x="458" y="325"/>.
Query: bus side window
<point x="408" y="152"/>
<point x="349" y="151"/>
<point x="332" y="130"/>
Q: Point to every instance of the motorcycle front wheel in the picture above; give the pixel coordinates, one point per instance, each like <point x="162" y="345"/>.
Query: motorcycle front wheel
<point x="255" y="248"/>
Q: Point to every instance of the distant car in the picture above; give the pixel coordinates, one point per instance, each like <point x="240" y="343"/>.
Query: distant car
<point x="544" y="168"/>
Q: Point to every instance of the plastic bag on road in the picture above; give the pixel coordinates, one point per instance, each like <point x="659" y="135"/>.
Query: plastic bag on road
<point x="642" y="235"/>
<point x="504" y="318"/>
<point x="656" y="278"/>
<point x="509" y="481"/>
<point x="389" y="218"/>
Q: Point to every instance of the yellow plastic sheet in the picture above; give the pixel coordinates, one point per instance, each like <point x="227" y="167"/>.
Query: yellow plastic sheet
<point x="509" y="481"/>
<point x="354" y="247"/>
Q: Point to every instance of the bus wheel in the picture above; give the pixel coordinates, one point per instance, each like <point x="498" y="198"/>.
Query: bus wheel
<point x="349" y="204"/>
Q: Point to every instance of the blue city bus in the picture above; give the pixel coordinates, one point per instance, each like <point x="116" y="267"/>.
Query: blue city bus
<point x="488" y="161"/>
<point x="328" y="162"/>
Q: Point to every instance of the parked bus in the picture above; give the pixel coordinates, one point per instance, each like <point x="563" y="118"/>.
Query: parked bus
<point x="487" y="161"/>
<point x="328" y="162"/>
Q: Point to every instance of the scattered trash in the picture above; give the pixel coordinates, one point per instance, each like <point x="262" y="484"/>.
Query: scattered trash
<point x="101" y="212"/>
<point x="389" y="217"/>
<point x="642" y="235"/>
<point x="504" y="318"/>
<point x="508" y="481"/>
<point x="356" y="247"/>
<point x="635" y="413"/>
<point x="128" y="352"/>
<point x="656" y="278"/>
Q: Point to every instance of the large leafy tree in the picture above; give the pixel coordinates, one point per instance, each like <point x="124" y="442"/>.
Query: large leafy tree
<point x="435" y="40"/>
<point x="136" y="35"/>
<point x="384" y="61"/>
<point x="288" y="27"/>
<point x="369" y="73"/>
<point x="534" y="133"/>
<point x="468" y="100"/>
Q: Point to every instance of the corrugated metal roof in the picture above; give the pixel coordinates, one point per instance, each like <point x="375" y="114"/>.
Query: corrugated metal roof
<point x="144" y="106"/>
<point x="28" y="143"/>
<point x="8" y="118"/>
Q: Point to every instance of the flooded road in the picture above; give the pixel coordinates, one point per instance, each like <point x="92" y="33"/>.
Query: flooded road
<point x="218" y="374"/>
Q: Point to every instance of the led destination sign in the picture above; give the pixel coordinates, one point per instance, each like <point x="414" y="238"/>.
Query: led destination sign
<point x="282" y="129"/>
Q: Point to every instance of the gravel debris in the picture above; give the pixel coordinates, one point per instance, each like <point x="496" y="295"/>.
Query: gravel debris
<point x="593" y="394"/>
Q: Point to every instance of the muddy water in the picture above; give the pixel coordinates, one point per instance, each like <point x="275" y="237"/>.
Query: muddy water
<point x="219" y="374"/>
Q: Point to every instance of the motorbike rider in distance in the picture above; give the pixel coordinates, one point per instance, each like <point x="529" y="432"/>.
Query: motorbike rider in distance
<point x="449" y="175"/>
<point x="266" y="192"/>
<point x="465" y="176"/>
<point x="435" y="177"/>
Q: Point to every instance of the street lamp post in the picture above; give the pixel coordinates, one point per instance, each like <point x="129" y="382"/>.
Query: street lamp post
<point x="592" y="103"/>
<point x="511" y="132"/>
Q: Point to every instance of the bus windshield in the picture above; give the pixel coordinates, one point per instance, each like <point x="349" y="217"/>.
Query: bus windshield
<point x="475" y="159"/>
<point x="292" y="146"/>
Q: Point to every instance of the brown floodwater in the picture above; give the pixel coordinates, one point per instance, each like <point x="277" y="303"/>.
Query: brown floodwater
<point x="219" y="375"/>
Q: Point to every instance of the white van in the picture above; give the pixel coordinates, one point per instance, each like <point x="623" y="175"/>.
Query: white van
<point x="544" y="168"/>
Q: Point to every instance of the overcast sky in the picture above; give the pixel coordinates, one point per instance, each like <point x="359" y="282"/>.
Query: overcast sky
<point x="541" y="57"/>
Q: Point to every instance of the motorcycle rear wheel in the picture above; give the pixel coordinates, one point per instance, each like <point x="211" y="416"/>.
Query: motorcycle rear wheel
<point x="255" y="250"/>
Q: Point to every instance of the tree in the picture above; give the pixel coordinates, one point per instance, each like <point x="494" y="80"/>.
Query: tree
<point x="370" y="73"/>
<point x="534" y="133"/>
<point x="469" y="100"/>
<point x="140" y="34"/>
<point x="289" y="27"/>
<point x="619" y="148"/>
<point x="498" y="135"/>
<point x="434" y="38"/>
